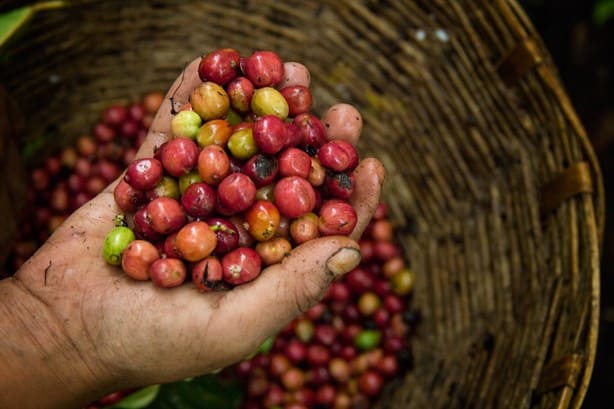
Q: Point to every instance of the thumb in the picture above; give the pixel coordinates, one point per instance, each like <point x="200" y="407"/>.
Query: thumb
<point x="177" y="95"/>
<point x="264" y="306"/>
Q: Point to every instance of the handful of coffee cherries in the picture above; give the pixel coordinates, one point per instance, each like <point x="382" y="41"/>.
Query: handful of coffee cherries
<point x="248" y="173"/>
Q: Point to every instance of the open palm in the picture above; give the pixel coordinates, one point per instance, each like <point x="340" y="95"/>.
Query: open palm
<point x="130" y="333"/>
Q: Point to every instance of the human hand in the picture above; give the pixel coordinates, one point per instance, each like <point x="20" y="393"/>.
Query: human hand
<point x="92" y="330"/>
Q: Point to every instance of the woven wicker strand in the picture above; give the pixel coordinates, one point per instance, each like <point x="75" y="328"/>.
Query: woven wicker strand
<point x="492" y="184"/>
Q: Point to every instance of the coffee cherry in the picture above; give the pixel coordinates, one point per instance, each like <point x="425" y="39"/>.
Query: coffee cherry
<point x="128" y="199"/>
<point x="274" y="396"/>
<point x="294" y="162"/>
<point x="340" y="185"/>
<point x="296" y="351"/>
<point x="264" y="68"/>
<point x="269" y="133"/>
<point x="370" y="383"/>
<point x="325" y="334"/>
<point x="198" y="200"/>
<point x="293" y="135"/>
<point x="152" y="101"/>
<point x="138" y="258"/>
<point x="245" y="239"/>
<point x="144" y="174"/>
<point x="166" y="187"/>
<point x="186" y="180"/>
<point x="304" y="228"/>
<point x="294" y="196"/>
<point x="207" y="274"/>
<point x="272" y="251"/>
<point x="219" y="66"/>
<point x="114" y="115"/>
<point x="179" y="156"/>
<point x="107" y="170"/>
<point x="210" y="101"/>
<point x="241" y="265"/>
<point x="170" y="247"/>
<point x="236" y="192"/>
<point x="143" y="225"/>
<point x="214" y="132"/>
<point x="304" y="329"/>
<point x="367" y="339"/>
<point x="242" y="144"/>
<point x="195" y="241"/>
<point x="339" y="156"/>
<point x="368" y="303"/>
<point x="263" y="220"/>
<point x="402" y="282"/>
<point x="318" y="355"/>
<point x="213" y="164"/>
<point x="240" y="91"/>
<point x="325" y="395"/>
<point x="293" y="379"/>
<point x="312" y="132"/>
<point x="278" y="365"/>
<point x="168" y="272"/>
<point x="226" y="232"/>
<point x="317" y="173"/>
<point x="304" y="397"/>
<point x="269" y="101"/>
<point x="340" y="370"/>
<point x="262" y="169"/>
<point x="86" y="146"/>
<point x="393" y="266"/>
<point x="299" y="99"/>
<point x="336" y="217"/>
<point x="115" y="243"/>
<point x="186" y="124"/>
<point x="166" y="215"/>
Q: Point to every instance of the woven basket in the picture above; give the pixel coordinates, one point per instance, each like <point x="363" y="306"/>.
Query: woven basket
<point x="492" y="183"/>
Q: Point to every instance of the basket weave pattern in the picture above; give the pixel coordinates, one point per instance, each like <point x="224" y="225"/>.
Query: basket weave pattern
<point x="492" y="184"/>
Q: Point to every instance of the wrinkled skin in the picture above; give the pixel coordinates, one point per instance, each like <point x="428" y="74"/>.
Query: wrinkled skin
<point x="75" y="328"/>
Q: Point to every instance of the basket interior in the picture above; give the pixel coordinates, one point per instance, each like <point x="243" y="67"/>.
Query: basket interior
<point x="505" y="289"/>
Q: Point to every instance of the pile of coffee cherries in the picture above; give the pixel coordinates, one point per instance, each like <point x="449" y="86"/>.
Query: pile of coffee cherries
<point x="341" y="353"/>
<point x="248" y="173"/>
<point x="63" y="182"/>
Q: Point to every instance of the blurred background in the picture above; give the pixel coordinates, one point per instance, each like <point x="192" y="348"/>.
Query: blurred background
<point x="580" y="36"/>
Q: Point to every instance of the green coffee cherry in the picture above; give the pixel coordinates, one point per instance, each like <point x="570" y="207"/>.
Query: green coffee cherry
<point x="187" y="179"/>
<point x="269" y="101"/>
<point x="186" y="123"/>
<point x="242" y="144"/>
<point x="367" y="339"/>
<point x="115" y="243"/>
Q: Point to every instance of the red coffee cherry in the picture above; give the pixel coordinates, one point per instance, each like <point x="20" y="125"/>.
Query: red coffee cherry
<point x="294" y="196"/>
<point x="144" y="174"/>
<point x="236" y="192"/>
<point x="264" y="68"/>
<point x="241" y="265"/>
<point x="337" y="217"/>
<point x="220" y="66"/>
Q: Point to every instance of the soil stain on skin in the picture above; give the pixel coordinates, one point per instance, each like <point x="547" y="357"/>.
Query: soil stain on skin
<point x="46" y="272"/>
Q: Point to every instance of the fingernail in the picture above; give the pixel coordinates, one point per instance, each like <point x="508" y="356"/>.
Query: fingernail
<point x="344" y="260"/>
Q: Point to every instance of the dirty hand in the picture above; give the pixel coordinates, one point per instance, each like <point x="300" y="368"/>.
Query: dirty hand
<point x="75" y="328"/>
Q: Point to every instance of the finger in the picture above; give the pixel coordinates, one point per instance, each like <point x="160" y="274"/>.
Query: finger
<point x="369" y="176"/>
<point x="254" y="311"/>
<point x="178" y="95"/>
<point x="160" y="130"/>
